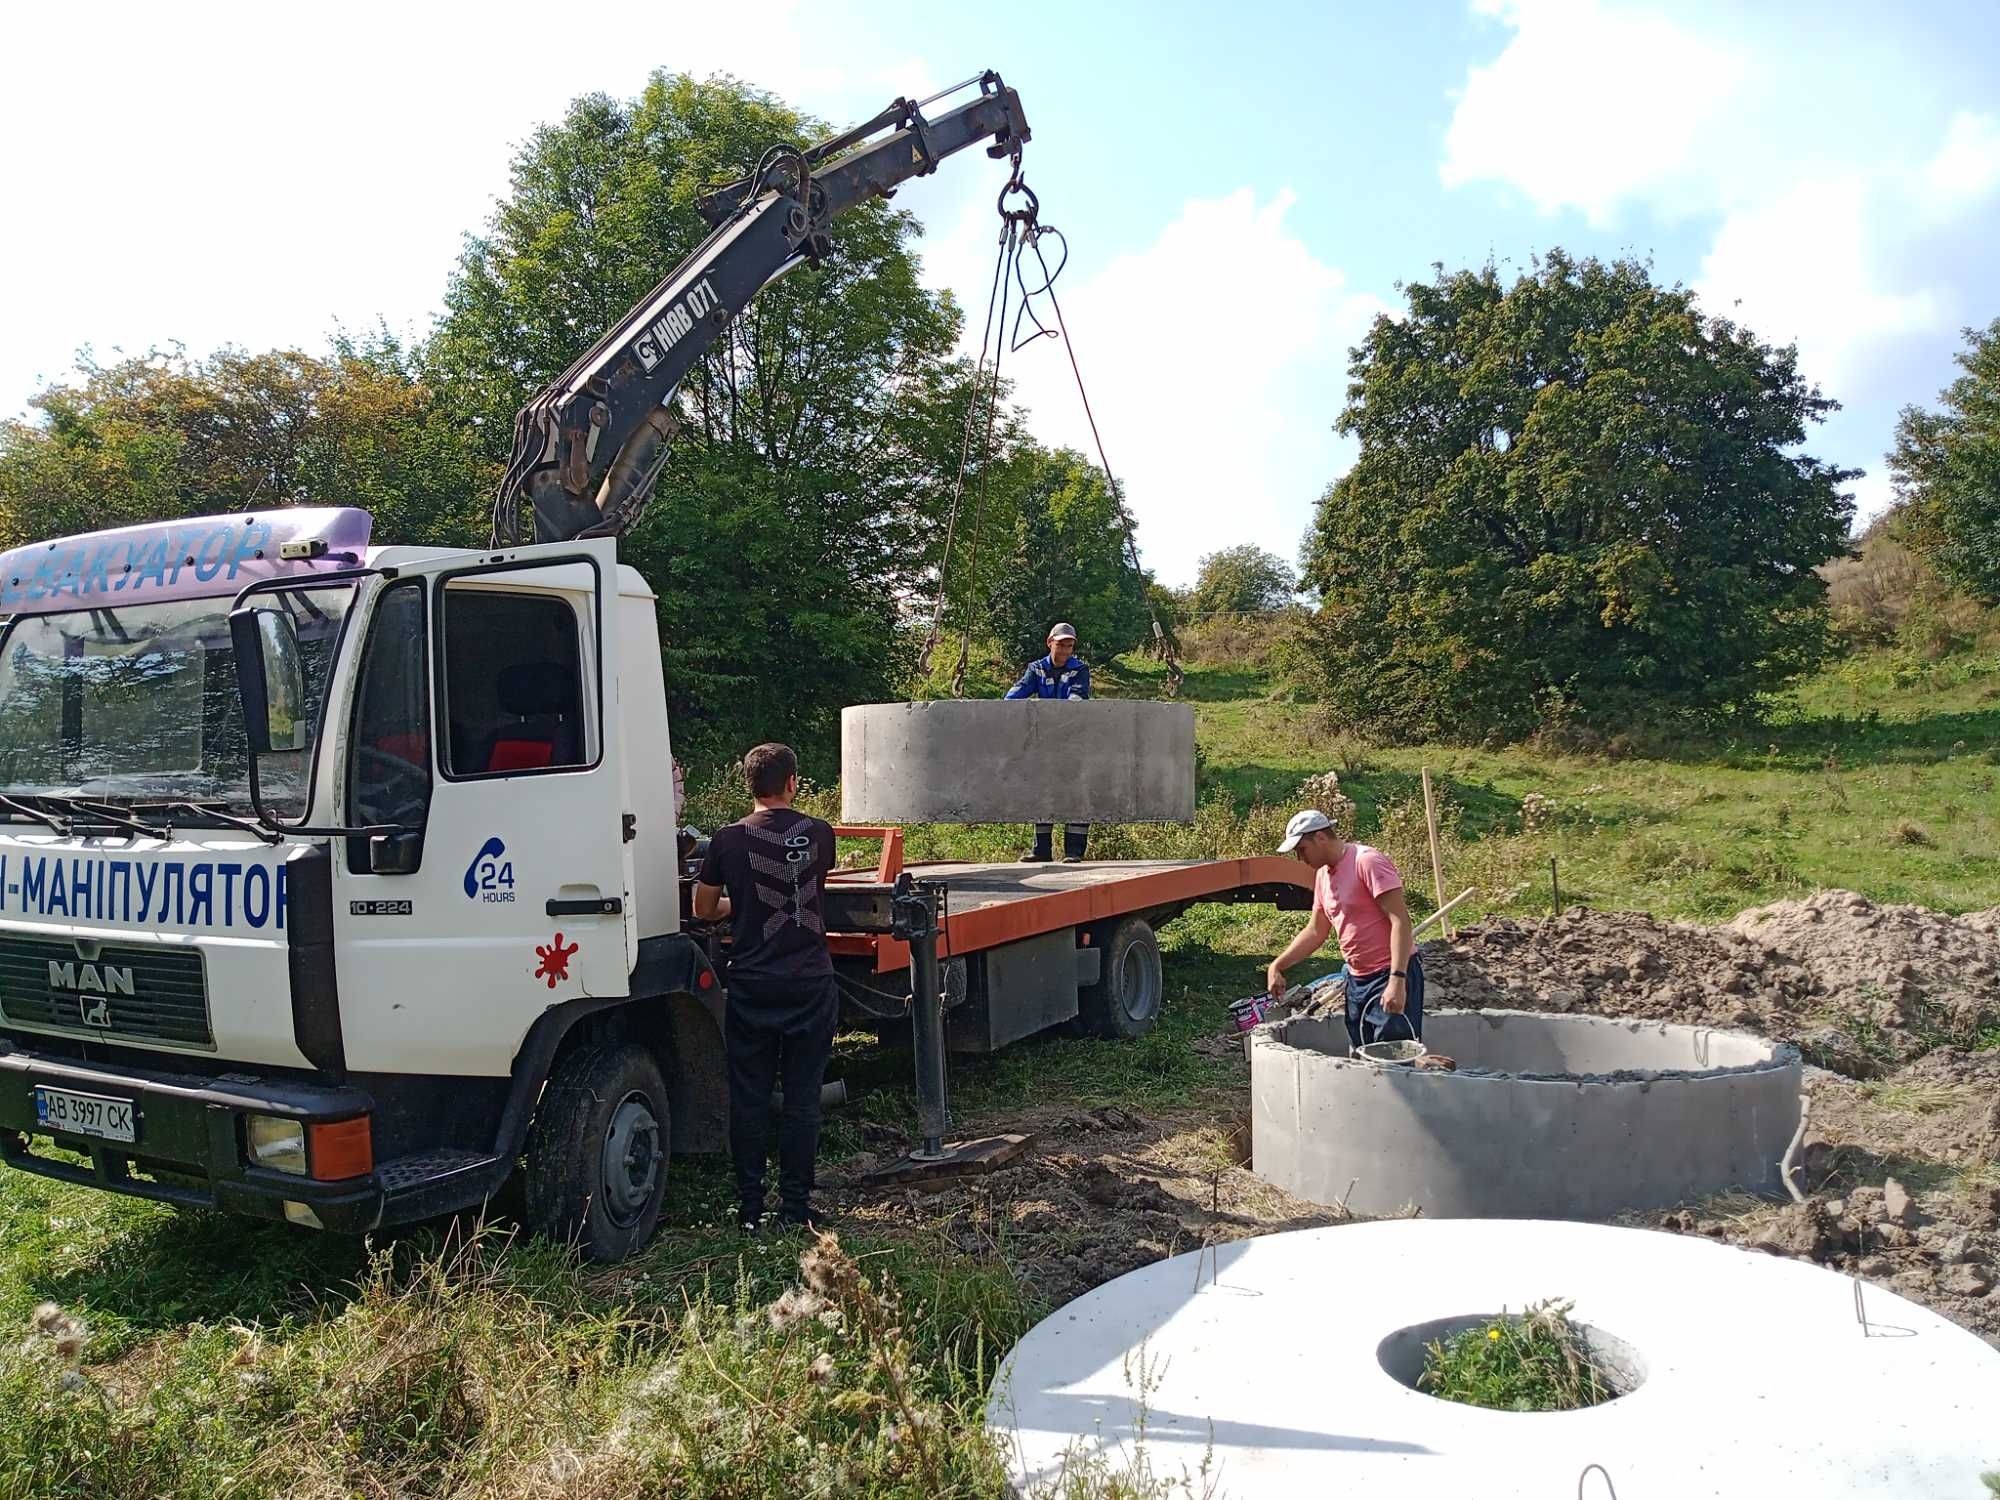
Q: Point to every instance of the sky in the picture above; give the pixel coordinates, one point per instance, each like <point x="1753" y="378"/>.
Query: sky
<point x="1243" y="187"/>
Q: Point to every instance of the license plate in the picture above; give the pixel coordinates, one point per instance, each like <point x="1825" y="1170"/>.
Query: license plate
<point x="85" y="1114"/>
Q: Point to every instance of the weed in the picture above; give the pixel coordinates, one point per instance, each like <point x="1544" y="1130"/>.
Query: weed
<point x="1915" y="834"/>
<point x="1534" y="1362"/>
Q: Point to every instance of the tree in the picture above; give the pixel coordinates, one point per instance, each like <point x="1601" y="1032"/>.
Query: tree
<point x="1576" y="496"/>
<point x="1946" y="466"/>
<point x="1242" y="580"/>
<point x="1064" y="558"/>
<point x="800" y="508"/>
<point x="159" y="435"/>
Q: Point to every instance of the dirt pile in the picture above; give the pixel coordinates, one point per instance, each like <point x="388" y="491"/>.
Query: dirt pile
<point x="1890" y="982"/>
<point x="1861" y="987"/>
<point x="1619" y="964"/>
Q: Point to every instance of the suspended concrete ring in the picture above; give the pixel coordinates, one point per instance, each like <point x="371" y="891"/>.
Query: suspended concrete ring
<point x="1284" y="1363"/>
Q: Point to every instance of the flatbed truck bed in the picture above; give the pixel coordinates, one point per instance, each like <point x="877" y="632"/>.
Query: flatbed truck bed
<point x="1023" y="947"/>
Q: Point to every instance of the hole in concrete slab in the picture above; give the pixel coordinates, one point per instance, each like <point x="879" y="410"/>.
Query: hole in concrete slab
<point x="1402" y="1355"/>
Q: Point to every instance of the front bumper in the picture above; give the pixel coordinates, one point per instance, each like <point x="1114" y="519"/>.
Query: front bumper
<point x="189" y="1146"/>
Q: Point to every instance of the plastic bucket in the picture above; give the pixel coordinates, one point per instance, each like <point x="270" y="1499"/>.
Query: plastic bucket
<point x="1401" y="1054"/>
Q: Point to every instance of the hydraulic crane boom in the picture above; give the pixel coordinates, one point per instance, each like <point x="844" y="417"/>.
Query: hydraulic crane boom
<point x="589" y="447"/>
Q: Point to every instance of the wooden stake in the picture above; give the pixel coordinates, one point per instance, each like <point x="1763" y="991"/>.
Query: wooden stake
<point x="1437" y="863"/>
<point x="1555" y="890"/>
<point x="1440" y="913"/>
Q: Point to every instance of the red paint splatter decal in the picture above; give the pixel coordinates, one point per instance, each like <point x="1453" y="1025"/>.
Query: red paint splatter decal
<point x="555" y="959"/>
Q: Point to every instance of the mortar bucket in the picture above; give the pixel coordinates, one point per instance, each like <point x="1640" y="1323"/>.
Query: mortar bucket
<point x="1403" y="1054"/>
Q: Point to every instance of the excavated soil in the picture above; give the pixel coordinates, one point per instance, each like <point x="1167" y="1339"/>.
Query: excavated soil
<point x="1861" y="988"/>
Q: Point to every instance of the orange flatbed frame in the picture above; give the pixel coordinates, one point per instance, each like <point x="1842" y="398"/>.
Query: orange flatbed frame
<point x="990" y="904"/>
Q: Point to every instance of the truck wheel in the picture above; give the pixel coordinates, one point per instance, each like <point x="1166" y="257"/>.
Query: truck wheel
<point x="597" y="1156"/>
<point x="1125" y="1001"/>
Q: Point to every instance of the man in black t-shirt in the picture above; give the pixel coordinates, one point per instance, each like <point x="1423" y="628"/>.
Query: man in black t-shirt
<point x="765" y="874"/>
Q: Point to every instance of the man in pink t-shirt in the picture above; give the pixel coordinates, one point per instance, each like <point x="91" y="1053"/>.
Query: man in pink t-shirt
<point x="1357" y="893"/>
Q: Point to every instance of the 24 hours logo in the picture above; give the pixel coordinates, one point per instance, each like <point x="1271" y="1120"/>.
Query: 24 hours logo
<point x="490" y="876"/>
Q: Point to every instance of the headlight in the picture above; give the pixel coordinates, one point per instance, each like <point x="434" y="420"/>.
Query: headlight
<point x="276" y="1143"/>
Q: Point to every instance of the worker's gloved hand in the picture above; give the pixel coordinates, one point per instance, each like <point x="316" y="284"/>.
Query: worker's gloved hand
<point x="1274" y="982"/>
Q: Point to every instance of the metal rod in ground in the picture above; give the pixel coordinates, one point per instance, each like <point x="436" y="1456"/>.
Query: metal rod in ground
<point x="1555" y="890"/>
<point x="1437" y="861"/>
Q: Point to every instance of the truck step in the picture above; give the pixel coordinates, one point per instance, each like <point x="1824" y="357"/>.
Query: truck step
<point x="427" y="1168"/>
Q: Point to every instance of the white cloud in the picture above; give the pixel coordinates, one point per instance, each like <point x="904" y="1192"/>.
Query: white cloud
<point x="1801" y="268"/>
<point x="1588" y="106"/>
<point x="253" y="173"/>
<point x="1213" y="357"/>
<point x="1967" y="167"/>
<point x="1821" y="171"/>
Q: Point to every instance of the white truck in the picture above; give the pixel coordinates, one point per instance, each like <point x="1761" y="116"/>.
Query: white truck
<point x="330" y="979"/>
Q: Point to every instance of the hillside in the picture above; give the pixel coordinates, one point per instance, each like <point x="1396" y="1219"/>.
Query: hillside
<point x="146" y="1352"/>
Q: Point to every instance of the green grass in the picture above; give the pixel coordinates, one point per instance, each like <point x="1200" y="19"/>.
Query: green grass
<point x="229" y="1358"/>
<point x="1813" y="798"/>
<point x="1533" y="1362"/>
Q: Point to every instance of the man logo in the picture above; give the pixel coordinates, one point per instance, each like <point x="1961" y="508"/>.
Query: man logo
<point x="90" y="979"/>
<point x="98" y="1015"/>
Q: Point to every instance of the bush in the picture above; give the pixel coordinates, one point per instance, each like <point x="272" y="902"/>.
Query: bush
<point x="1534" y="1362"/>
<point x="1551" y="503"/>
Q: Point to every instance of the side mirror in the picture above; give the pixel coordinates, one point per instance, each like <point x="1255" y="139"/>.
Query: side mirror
<point x="270" y="679"/>
<point x="395" y="853"/>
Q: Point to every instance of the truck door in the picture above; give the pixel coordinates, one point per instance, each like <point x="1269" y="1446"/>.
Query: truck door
<point x="483" y="715"/>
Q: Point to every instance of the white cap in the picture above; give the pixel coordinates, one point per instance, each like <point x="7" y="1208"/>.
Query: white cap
<point x="1312" y="820"/>
<point x="1063" y="631"/>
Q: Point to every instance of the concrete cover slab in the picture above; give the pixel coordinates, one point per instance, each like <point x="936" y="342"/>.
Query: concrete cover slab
<point x="980" y="761"/>
<point x="1549" y="1116"/>
<point x="1264" y="1359"/>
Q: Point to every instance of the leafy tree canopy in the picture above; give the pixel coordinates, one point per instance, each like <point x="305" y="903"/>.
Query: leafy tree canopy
<point x="1946" y="465"/>
<point x="1242" y="580"/>
<point x="796" y="512"/>
<point x="160" y="435"/>
<point x="1577" y="496"/>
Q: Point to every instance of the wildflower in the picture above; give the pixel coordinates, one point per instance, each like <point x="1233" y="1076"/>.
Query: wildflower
<point x="821" y="1369"/>
<point x="1493" y="1333"/>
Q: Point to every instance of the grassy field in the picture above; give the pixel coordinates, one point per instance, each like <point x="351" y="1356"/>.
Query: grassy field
<point x="187" y="1355"/>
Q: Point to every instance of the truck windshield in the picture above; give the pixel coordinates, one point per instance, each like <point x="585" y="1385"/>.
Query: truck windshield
<point x="138" y="704"/>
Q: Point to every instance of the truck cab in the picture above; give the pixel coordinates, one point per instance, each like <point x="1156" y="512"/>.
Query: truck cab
<point x="336" y="879"/>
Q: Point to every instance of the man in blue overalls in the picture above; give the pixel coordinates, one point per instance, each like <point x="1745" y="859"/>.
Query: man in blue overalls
<point x="1060" y="674"/>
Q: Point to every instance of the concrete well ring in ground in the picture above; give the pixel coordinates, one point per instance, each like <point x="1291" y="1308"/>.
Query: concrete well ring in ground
<point x="1548" y="1116"/>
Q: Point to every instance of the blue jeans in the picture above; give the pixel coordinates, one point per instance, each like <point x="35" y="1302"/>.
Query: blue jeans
<point x="1368" y="1022"/>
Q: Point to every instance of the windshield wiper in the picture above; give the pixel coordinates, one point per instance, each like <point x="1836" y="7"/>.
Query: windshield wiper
<point x="12" y="804"/>
<point x="208" y="810"/>
<point x="107" y="816"/>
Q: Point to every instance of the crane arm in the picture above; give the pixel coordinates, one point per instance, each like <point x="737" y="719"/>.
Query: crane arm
<point x="589" y="446"/>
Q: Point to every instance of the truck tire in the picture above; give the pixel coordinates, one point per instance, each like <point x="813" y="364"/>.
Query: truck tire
<point x="597" y="1154"/>
<point x="1126" y="1000"/>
